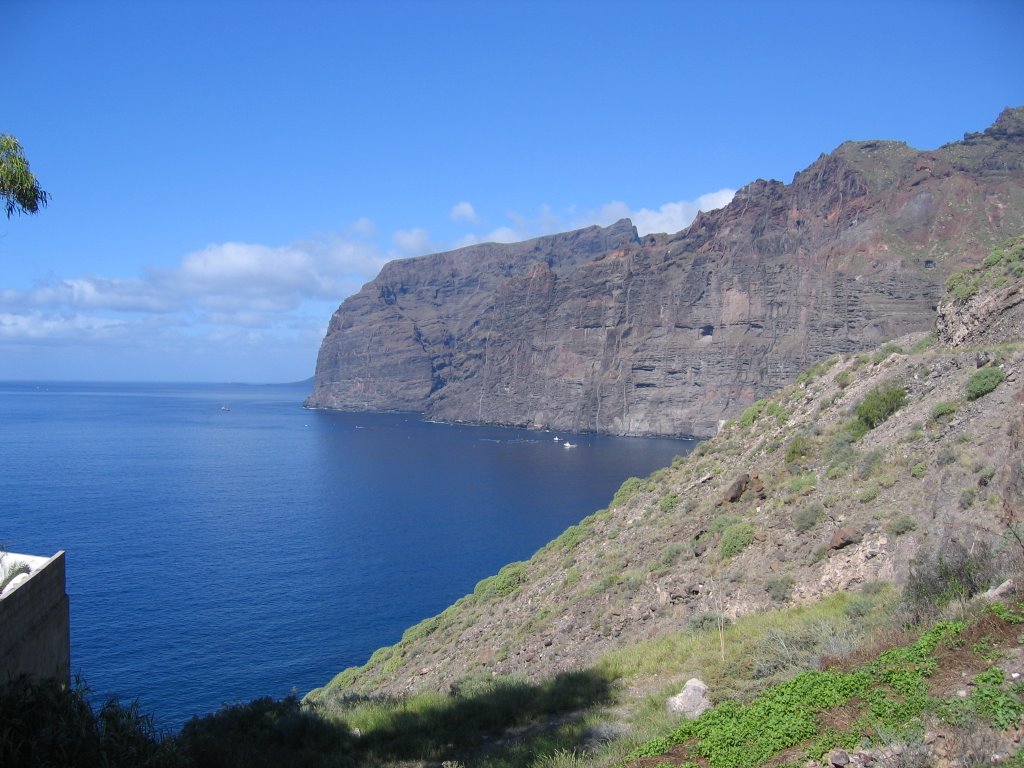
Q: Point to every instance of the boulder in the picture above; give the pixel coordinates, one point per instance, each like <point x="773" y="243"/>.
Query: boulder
<point x="692" y="700"/>
<point x="846" y="536"/>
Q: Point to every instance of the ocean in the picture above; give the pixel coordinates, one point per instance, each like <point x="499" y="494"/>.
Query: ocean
<point x="224" y="543"/>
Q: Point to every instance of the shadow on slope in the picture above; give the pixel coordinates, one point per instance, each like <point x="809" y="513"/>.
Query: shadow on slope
<point x="432" y="726"/>
<point x="51" y="724"/>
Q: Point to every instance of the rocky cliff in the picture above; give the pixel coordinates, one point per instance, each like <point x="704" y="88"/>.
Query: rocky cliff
<point x="795" y="500"/>
<point x="601" y="330"/>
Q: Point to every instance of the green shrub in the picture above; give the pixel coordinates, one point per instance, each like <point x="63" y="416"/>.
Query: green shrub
<point x="855" y="429"/>
<point x="967" y="498"/>
<point x="629" y="488"/>
<point x="983" y="382"/>
<point x="423" y="629"/>
<point x="721" y="522"/>
<point x="668" y="502"/>
<point x="504" y="583"/>
<point x="263" y="732"/>
<point x="945" y="408"/>
<point x="868" y="494"/>
<point x="779" y="589"/>
<point x="900" y="525"/>
<point x="870" y="462"/>
<point x="962" y="285"/>
<point x="887" y="480"/>
<point x="753" y="413"/>
<point x="671" y="554"/>
<point x="802" y="484"/>
<point x="836" y="471"/>
<point x="953" y="573"/>
<point x="819" y="368"/>
<point x="843" y="379"/>
<point x="572" y="576"/>
<point x="881" y="403"/>
<point x="48" y="723"/>
<point x="915" y="434"/>
<point x="735" y="539"/>
<point x="510" y="578"/>
<point x="886" y="351"/>
<point x="799" y="447"/>
<point x="919" y="470"/>
<point x="808" y="516"/>
<point x="571" y="537"/>
<point x="707" y="620"/>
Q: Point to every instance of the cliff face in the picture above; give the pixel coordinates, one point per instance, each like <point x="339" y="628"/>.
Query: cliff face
<point x="600" y="330"/>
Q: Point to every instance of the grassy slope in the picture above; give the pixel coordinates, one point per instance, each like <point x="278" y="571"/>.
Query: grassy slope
<point x="669" y="549"/>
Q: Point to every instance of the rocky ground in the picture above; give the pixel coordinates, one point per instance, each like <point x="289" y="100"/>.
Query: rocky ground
<point x="864" y="468"/>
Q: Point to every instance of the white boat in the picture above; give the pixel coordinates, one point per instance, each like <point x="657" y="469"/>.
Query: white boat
<point x="557" y="439"/>
<point x="567" y="444"/>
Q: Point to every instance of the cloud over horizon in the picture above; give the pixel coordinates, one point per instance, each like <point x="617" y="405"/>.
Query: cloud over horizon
<point x="234" y="295"/>
<point x="463" y="211"/>
<point x="670" y="217"/>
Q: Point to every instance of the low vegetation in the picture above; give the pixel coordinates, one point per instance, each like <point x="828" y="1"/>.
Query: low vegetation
<point x="789" y="686"/>
<point x="983" y="382"/>
<point x="879" y="404"/>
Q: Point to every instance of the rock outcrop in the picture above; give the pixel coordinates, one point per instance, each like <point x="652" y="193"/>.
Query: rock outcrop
<point x="747" y="523"/>
<point x="602" y="330"/>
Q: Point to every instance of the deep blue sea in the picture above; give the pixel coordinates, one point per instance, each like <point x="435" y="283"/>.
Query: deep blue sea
<point x="224" y="543"/>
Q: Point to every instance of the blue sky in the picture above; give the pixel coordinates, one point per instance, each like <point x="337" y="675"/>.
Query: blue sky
<point x="224" y="173"/>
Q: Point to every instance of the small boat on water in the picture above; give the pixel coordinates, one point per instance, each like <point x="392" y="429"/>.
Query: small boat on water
<point x="557" y="439"/>
<point x="224" y="408"/>
<point x="567" y="444"/>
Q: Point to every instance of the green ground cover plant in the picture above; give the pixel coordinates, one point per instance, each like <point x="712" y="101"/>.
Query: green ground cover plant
<point x="984" y="381"/>
<point x="886" y="695"/>
<point x="763" y="407"/>
<point x="943" y="409"/>
<point x="629" y="488"/>
<point x="736" y="538"/>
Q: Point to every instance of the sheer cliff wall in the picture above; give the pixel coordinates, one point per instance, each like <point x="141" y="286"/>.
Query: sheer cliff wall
<point x="602" y="330"/>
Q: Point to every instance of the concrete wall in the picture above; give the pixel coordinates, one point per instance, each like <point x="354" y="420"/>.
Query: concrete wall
<point x="35" y="622"/>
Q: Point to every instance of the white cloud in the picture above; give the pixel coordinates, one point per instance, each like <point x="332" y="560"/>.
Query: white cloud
<point x="273" y="301"/>
<point x="499" y="235"/>
<point x="42" y="327"/>
<point x="411" y="242"/>
<point x="211" y="291"/>
<point x="670" y="217"/>
<point x="94" y="293"/>
<point x="363" y="227"/>
<point x="463" y="211"/>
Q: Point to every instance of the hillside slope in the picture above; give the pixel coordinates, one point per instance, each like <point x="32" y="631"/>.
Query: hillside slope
<point x="839" y="480"/>
<point x="600" y="330"/>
